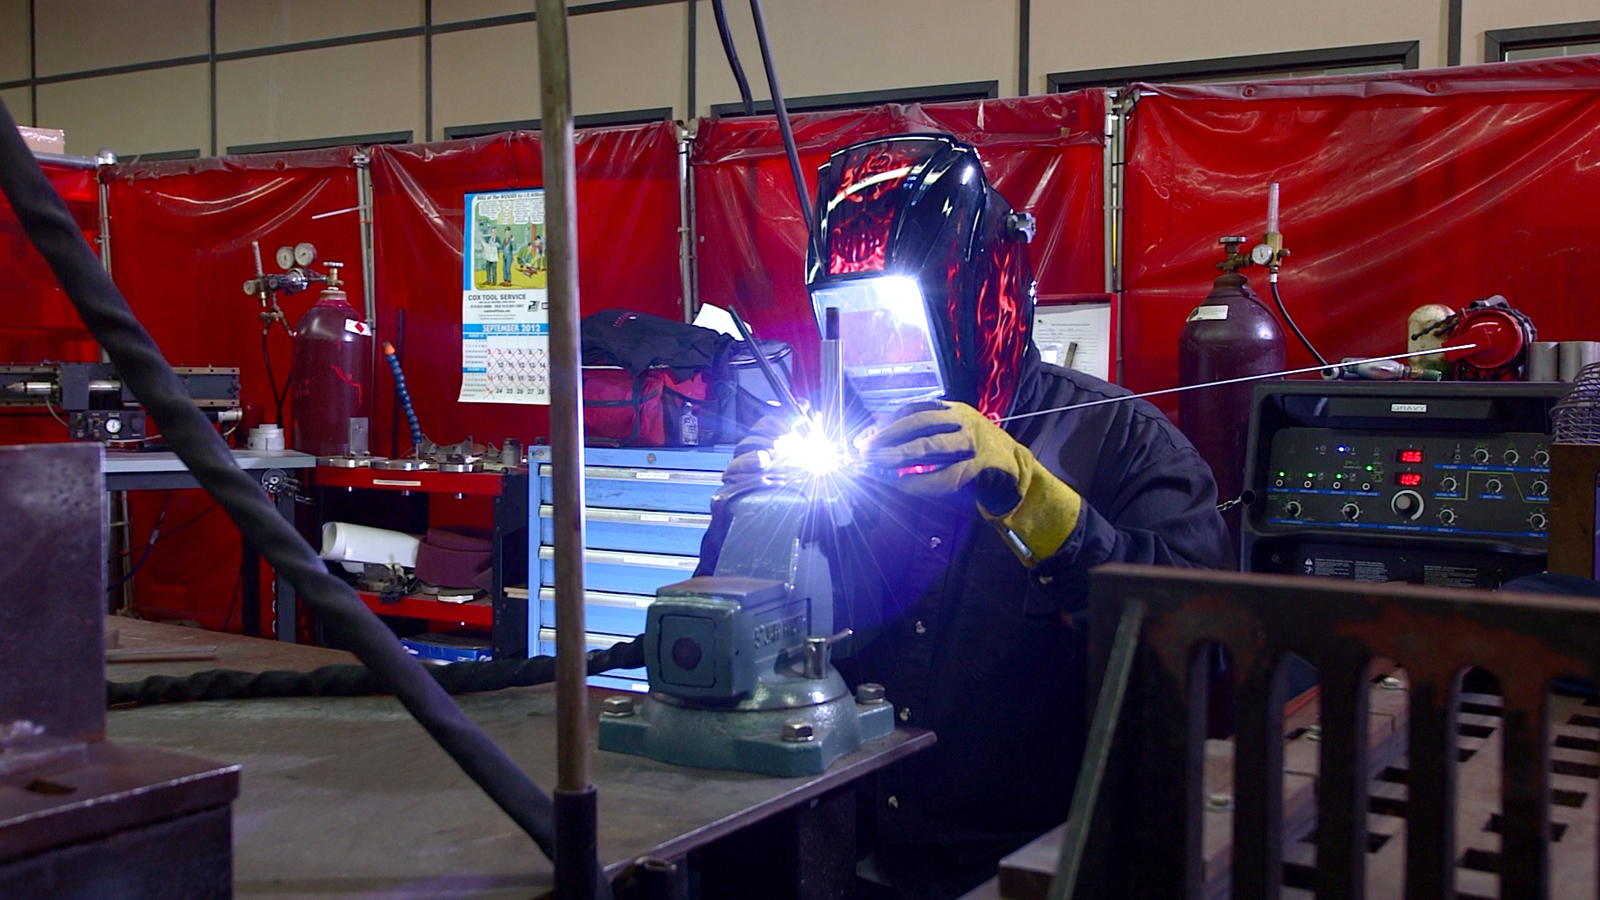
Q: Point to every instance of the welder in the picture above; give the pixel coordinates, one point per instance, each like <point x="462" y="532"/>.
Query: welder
<point x="975" y="542"/>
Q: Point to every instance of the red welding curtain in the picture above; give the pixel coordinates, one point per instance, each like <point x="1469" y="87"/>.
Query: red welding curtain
<point x="181" y="233"/>
<point x="1399" y="189"/>
<point x="40" y="323"/>
<point x="628" y="201"/>
<point x="1044" y="154"/>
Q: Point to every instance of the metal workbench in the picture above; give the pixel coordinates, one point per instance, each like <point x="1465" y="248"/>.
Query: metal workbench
<point x="349" y="798"/>
<point x="162" y="470"/>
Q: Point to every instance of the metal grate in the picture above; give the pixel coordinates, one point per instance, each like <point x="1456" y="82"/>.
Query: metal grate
<point x="1576" y="419"/>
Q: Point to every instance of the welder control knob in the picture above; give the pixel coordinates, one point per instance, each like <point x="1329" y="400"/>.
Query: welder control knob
<point x="1407" y="505"/>
<point x="1447" y="516"/>
<point x="1481" y="454"/>
<point x="1541" y="457"/>
<point x="1511" y="456"/>
<point x="1493" y="486"/>
<point x="1447" y="484"/>
<point x="1539" y="488"/>
<point x="1292" y="509"/>
<point x="1537" y="520"/>
<point x="1350" y="511"/>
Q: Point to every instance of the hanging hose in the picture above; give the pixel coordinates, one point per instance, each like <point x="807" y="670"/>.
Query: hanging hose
<point x="786" y="132"/>
<point x="1278" y="298"/>
<point x="358" y="681"/>
<point x="733" y="57"/>
<point x="52" y="229"/>
<point x="404" y="395"/>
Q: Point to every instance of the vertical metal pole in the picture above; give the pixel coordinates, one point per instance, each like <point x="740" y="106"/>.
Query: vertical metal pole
<point x="685" y="226"/>
<point x="369" y="257"/>
<point x="574" y="795"/>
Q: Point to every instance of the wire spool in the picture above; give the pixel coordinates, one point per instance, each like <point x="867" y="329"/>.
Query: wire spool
<point x="1576" y="419"/>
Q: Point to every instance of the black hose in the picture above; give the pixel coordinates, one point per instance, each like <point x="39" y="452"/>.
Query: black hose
<point x="785" y="131"/>
<point x="52" y="229"/>
<point x="272" y="382"/>
<point x="1292" y="326"/>
<point x="733" y="57"/>
<point x="357" y="681"/>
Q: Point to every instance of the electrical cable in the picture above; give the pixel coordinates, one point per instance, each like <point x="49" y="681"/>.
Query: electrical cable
<point x="149" y="544"/>
<point x="786" y="132"/>
<point x="51" y="409"/>
<point x="51" y="228"/>
<point x="1347" y="364"/>
<point x="733" y="56"/>
<point x="272" y="381"/>
<point x="358" y="681"/>
<point x="1273" y="281"/>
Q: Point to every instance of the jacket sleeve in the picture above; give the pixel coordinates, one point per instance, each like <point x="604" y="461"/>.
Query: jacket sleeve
<point x="1162" y="511"/>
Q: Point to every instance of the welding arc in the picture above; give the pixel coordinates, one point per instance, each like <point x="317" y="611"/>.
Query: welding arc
<point x="1450" y="348"/>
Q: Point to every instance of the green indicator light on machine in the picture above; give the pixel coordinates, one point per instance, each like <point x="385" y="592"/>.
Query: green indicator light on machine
<point x="1369" y="468"/>
<point x="1282" y="474"/>
<point x="1311" y="474"/>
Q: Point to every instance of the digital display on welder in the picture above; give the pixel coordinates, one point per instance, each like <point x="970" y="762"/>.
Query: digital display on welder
<point x="1409" y="479"/>
<point x="1409" y="456"/>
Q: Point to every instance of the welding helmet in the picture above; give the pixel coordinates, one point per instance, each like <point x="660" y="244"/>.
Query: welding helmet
<point x="928" y="267"/>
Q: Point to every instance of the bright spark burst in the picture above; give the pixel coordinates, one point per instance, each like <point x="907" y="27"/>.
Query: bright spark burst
<point x="809" y="450"/>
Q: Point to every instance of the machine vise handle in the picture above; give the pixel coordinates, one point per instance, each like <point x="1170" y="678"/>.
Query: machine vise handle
<point x="816" y="653"/>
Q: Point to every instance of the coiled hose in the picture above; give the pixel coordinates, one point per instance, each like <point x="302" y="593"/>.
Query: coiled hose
<point x="50" y="226"/>
<point x="357" y="681"/>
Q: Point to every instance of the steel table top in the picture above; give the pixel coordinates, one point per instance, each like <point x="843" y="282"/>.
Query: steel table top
<point x="349" y="797"/>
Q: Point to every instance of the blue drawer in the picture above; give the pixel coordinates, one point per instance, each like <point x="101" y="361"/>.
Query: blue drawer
<point x="619" y="572"/>
<point x="615" y="614"/>
<point x="663" y="490"/>
<point x="634" y="529"/>
<point x="618" y="679"/>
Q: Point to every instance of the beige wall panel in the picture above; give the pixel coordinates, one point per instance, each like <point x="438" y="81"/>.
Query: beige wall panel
<point x="140" y="112"/>
<point x="485" y="75"/>
<point x="243" y="24"/>
<point x="362" y="89"/>
<point x="13" y="40"/>
<point x="462" y="10"/>
<point x="1489" y="15"/>
<point x="1069" y="35"/>
<point x="630" y="59"/>
<point x="846" y="46"/>
<point x="17" y="100"/>
<point x="79" y="35"/>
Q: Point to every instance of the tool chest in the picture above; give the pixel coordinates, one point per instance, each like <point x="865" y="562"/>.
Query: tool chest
<point x="645" y="512"/>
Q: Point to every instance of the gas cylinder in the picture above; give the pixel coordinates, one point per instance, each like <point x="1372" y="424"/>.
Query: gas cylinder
<point x="330" y="378"/>
<point x="1229" y="335"/>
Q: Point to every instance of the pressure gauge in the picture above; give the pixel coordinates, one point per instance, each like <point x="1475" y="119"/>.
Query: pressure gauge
<point x="1261" y="254"/>
<point x="285" y="257"/>
<point x="304" y="254"/>
<point x="113" y="425"/>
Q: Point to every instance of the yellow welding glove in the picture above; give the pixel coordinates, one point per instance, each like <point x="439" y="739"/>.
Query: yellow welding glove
<point x="950" y="445"/>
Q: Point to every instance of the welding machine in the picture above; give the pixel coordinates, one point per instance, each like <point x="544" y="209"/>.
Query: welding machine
<point x="1436" y="483"/>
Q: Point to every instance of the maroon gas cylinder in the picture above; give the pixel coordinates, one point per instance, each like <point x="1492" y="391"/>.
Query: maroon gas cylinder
<point x="1231" y="335"/>
<point x="330" y="379"/>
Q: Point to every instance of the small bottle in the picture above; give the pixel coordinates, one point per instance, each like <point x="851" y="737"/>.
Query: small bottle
<point x="689" y="427"/>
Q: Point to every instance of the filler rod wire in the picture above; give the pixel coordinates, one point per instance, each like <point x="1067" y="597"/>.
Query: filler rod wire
<point x="1194" y="387"/>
